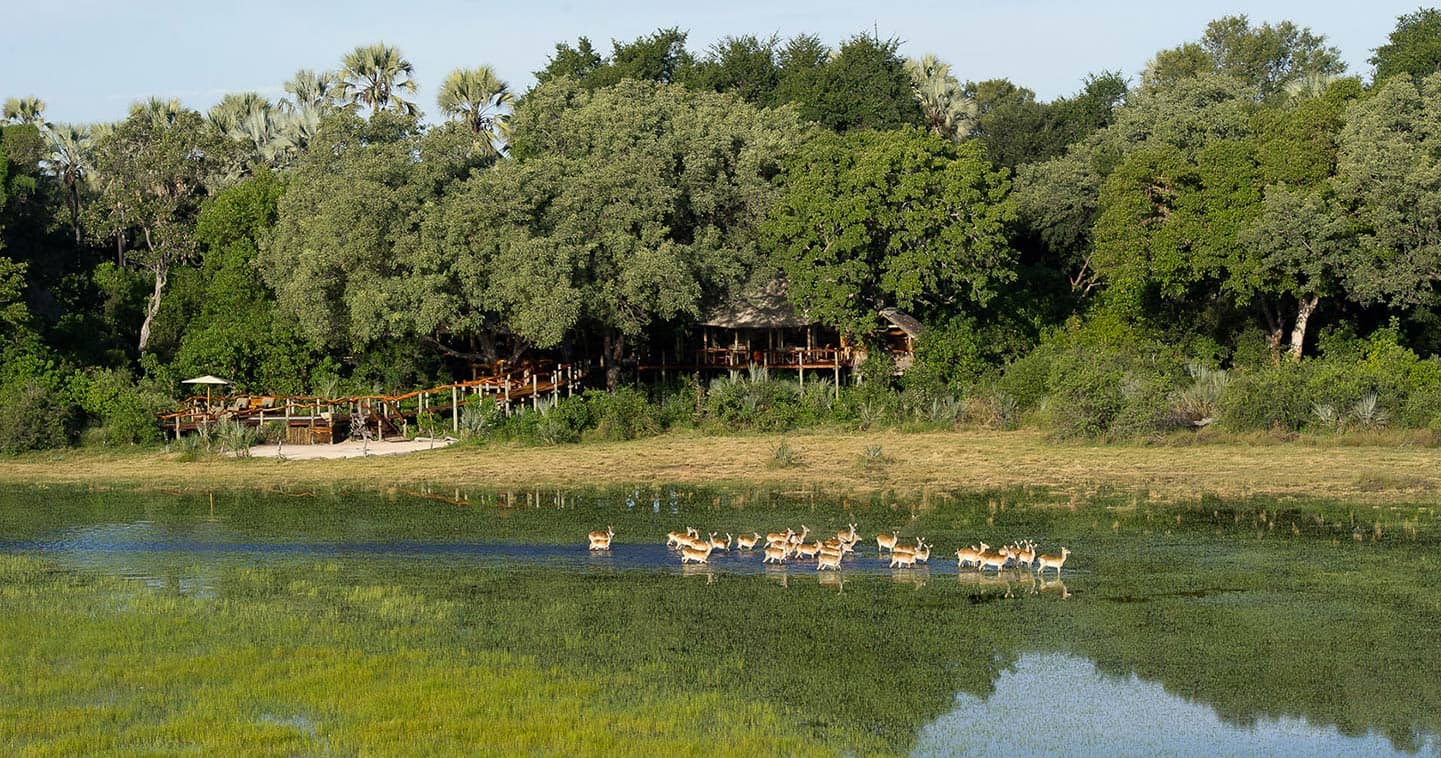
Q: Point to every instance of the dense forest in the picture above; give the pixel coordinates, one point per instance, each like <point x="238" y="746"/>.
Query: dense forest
<point x="1245" y="234"/>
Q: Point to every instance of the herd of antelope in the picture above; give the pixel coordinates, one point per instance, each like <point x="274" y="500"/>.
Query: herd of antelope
<point x="781" y="547"/>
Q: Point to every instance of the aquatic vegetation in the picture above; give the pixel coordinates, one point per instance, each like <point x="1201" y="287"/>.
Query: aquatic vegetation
<point x="341" y="622"/>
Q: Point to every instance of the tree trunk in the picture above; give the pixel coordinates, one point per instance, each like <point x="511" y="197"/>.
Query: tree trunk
<point x="614" y="350"/>
<point x="1275" y="330"/>
<point x="162" y="272"/>
<point x="1304" y="310"/>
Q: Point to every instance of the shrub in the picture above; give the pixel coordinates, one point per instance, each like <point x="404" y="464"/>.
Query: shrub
<point x="623" y="414"/>
<point x="1198" y="404"/>
<point x="32" y="417"/>
<point x="1267" y="397"/>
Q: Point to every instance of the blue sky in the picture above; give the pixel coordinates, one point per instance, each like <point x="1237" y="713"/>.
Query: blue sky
<point x="89" y="59"/>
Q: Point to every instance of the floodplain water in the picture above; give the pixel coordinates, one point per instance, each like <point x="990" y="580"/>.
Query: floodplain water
<point x="1210" y="627"/>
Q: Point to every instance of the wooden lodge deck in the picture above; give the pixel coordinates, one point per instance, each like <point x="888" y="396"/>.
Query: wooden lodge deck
<point x="311" y="420"/>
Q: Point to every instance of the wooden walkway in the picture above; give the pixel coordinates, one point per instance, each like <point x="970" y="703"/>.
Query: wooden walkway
<point x="311" y="419"/>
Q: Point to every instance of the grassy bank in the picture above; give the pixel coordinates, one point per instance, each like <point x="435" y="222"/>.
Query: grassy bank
<point x="1374" y="469"/>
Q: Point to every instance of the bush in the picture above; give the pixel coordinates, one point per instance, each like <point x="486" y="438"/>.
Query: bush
<point x="623" y="414"/>
<point x="121" y="411"/>
<point x="1267" y="397"/>
<point x="32" y="417"/>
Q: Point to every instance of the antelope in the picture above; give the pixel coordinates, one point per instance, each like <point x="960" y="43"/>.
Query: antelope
<point x="988" y="560"/>
<point x="775" y="537"/>
<point x="1026" y="556"/>
<point x="903" y="559"/>
<point x="674" y="539"/>
<point x="776" y="554"/>
<point x="850" y="536"/>
<point x="800" y="539"/>
<point x="692" y="555"/>
<point x="721" y="545"/>
<point x="887" y="541"/>
<point x="601" y="540"/>
<point x="828" y="560"/>
<point x="747" y="543"/>
<point x="923" y="551"/>
<point x="971" y="555"/>
<point x="808" y="551"/>
<point x="1047" y="561"/>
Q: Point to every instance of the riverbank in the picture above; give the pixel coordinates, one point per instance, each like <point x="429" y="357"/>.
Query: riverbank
<point x="1385" y="470"/>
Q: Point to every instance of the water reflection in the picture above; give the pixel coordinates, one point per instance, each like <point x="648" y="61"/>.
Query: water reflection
<point x="1054" y="703"/>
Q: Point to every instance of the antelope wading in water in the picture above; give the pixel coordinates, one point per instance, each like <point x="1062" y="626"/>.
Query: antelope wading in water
<point x="989" y="560"/>
<point x="775" y="537"/>
<point x="849" y="535"/>
<point x="1026" y="556"/>
<point x="601" y="540"/>
<point x="776" y="554"/>
<point x="922" y="551"/>
<point x="676" y="539"/>
<point x="808" y="550"/>
<point x="1047" y="561"/>
<point x="694" y="555"/>
<point x="719" y="545"/>
<point x="903" y="558"/>
<point x="747" y="543"/>
<point x="828" y="560"/>
<point x="971" y="555"/>
<point x="887" y="541"/>
<point x="799" y="539"/>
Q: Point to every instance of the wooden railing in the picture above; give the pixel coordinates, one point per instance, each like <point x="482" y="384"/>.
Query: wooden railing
<point x="507" y="388"/>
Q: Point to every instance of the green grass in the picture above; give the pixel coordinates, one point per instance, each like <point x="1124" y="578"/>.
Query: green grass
<point x="1335" y="620"/>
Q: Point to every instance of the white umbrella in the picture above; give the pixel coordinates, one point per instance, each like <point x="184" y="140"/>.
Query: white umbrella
<point x="206" y="380"/>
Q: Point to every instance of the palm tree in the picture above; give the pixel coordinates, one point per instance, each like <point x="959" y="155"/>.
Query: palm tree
<point x="69" y="161"/>
<point x="370" y="75"/>
<point x="947" y="110"/>
<point x="479" y="99"/>
<point x="25" y="110"/>
<point x="233" y="109"/>
<point x="162" y="112"/>
<point x="311" y="89"/>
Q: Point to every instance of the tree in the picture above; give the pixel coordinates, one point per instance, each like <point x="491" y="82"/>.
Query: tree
<point x="374" y="75"/>
<point x="1389" y="175"/>
<point x="1413" y="48"/>
<point x="865" y="86"/>
<point x="947" y="111"/>
<point x="70" y="163"/>
<point x="479" y="99"/>
<point x="152" y="171"/>
<point x="1302" y="247"/>
<point x="877" y="219"/>
<point x="625" y="207"/>
<point x="657" y="57"/>
<point x="25" y="110"/>
<point x="344" y="258"/>
<point x="744" y="65"/>
<point x="1266" y="57"/>
<point x="312" y="90"/>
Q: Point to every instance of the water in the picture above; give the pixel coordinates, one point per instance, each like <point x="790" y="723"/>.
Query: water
<point x="1224" y="628"/>
<point x="1060" y="704"/>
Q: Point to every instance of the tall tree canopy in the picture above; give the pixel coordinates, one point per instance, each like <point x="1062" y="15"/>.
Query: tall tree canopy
<point x="374" y="76"/>
<point x="1267" y="57"/>
<point x="624" y="207"/>
<point x="1413" y="48"/>
<point x="152" y="171"/>
<point x="902" y="218"/>
<point x="344" y="259"/>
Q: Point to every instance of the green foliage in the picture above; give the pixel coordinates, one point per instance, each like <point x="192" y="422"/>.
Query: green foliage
<point x="953" y="354"/>
<point x="1267" y="57"/>
<point x="624" y="414"/>
<point x="874" y="219"/>
<point x="36" y="411"/>
<point x="1412" y="49"/>
<point x="122" y="409"/>
<point x="1267" y="398"/>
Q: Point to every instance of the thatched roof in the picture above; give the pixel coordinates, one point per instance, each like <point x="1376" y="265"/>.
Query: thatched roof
<point x="764" y="307"/>
<point x="903" y="321"/>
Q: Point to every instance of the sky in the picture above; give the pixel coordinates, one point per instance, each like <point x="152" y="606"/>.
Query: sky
<point x="89" y="59"/>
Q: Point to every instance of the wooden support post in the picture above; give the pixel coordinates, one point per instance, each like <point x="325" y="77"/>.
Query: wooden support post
<point x="454" y="409"/>
<point x="506" y="378"/>
<point x="838" y="374"/>
<point x="534" y="390"/>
